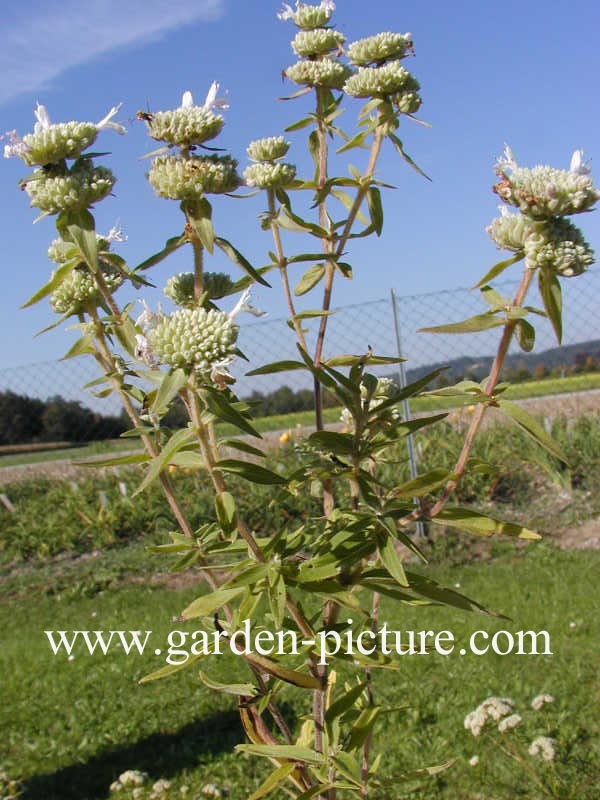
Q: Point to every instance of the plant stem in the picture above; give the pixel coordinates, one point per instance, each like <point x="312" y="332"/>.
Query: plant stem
<point x="371" y="696"/>
<point x="490" y="385"/>
<point x="282" y="264"/>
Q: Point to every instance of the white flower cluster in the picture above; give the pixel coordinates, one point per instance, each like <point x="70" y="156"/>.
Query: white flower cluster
<point x="194" y="339"/>
<point x="543" y="746"/>
<point x="492" y="708"/>
<point x="540" y="701"/>
<point x="318" y="42"/>
<point x="544" y="196"/>
<point x="306" y="16"/>
<point x="179" y="178"/>
<point x="50" y="143"/>
<point x="62" y="189"/>
<point x="326" y="72"/>
<point x="380" y="48"/>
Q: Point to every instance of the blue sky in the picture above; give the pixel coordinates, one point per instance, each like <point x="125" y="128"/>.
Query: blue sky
<point x="522" y="73"/>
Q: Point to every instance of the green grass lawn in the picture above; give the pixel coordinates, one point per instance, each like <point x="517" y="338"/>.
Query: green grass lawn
<point x="276" y="422"/>
<point x="71" y="727"/>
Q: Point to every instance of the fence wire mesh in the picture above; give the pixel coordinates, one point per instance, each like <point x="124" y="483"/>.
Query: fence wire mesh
<point x="351" y="329"/>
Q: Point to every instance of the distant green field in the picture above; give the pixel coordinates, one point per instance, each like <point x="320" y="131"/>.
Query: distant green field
<point x="520" y="391"/>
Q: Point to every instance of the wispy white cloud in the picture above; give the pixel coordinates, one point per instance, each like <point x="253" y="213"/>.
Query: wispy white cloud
<point x="40" y="41"/>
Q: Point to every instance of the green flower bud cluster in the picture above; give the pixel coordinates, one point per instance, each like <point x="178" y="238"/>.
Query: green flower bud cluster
<point x="389" y="81"/>
<point x="327" y="73"/>
<point x="180" y="288"/>
<point x="79" y="292"/>
<point x="180" y="178"/>
<point x="380" y="48"/>
<point x="185" y="126"/>
<point x="266" y="174"/>
<point x="61" y="189"/>
<point x="269" y="175"/>
<point x="317" y="42"/>
<point x="268" y="149"/>
<point x="48" y="145"/>
<point x="563" y="249"/>
<point x="511" y="231"/>
<point x="195" y="340"/>
<point x="543" y="192"/>
<point x="60" y="251"/>
<point x="308" y="17"/>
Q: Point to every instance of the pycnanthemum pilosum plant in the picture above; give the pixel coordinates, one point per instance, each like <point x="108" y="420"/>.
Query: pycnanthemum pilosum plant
<point x="311" y="573"/>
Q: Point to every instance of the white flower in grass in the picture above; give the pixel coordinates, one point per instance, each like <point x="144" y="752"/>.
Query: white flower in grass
<point x="578" y="165"/>
<point x="540" y="701"/>
<point x="543" y="746"/>
<point x="508" y="723"/>
<point x="474" y="761"/>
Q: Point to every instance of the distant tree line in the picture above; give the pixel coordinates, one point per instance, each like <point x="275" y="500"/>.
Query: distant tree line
<point x="25" y="420"/>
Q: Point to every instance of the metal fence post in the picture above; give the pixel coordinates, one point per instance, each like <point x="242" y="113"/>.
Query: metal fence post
<point x="410" y="444"/>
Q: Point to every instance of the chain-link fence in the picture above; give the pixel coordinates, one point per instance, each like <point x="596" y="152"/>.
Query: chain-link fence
<point x="390" y="325"/>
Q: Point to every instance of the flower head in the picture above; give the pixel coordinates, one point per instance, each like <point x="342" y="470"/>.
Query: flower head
<point x="543" y="746"/>
<point x="540" y="701"/>
<point x="306" y="16"/>
<point x="51" y="143"/>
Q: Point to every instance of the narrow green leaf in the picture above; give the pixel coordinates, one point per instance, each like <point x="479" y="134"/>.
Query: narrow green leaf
<point x="313" y="314"/>
<point x="240" y="444"/>
<point x="499" y="268"/>
<point x="552" y="297"/>
<point x="83" y="346"/>
<point x="493" y="298"/>
<point x="220" y="406"/>
<point x="170" y="386"/>
<point x="208" y="603"/>
<point x="400" y="148"/>
<point x="226" y="513"/>
<point x="81" y="230"/>
<point x="532" y="427"/>
<point x="310" y="279"/>
<point x="237" y="258"/>
<point x="251" y="472"/>
<point x="55" y="281"/>
<point x="423" y="484"/>
<point x="344" y="703"/>
<point x="199" y="216"/>
<point x="283" y="752"/>
<point x="375" y="209"/>
<point x="525" y="333"/>
<point x="236" y="689"/>
<point x="475" y="522"/>
<point x="336" y="442"/>
<point x="115" y="461"/>
<point x="480" y="322"/>
<point x="274" y="780"/>
<point x="171" y="245"/>
<point x="301" y="679"/>
<point x="363" y="727"/>
<point x="277" y="366"/>
<point x="302" y="123"/>
<point x="390" y="557"/>
<point x="171" y="669"/>
<point x="179" y="440"/>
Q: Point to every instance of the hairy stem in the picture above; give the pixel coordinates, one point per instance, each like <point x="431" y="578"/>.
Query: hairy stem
<point x="492" y="382"/>
<point x="282" y="264"/>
